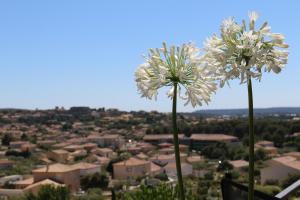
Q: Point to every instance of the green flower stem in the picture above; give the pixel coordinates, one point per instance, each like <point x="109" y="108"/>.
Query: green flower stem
<point x="251" y="142"/>
<point x="176" y="143"/>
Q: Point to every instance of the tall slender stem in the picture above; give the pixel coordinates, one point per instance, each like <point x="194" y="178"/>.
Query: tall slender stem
<point x="176" y="143"/>
<point x="251" y="141"/>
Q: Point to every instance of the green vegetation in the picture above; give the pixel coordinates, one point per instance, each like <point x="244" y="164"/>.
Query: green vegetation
<point x="48" y="192"/>
<point x="160" y="192"/>
<point x="91" y="194"/>
<point x="6" y="139"/>
<point x="271" y="190"/>
<point x="225" y="166"/>
<point x="24" y="154"/>
<point x="290" y="180"/>
<point x="162" y="176"/>
<point x="223" y="151"/>
<point x="22" y="165"/>
<point x="96" y="180"/>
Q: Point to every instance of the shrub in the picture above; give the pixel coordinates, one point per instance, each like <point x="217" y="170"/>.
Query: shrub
<point x="48" y="192"/>
<point x="24" y="154"/>
<point x="6" y="139"/>
<point x="272" y="182"/>
<point x="162" y="177"/>
<point x="160" y="192"/>
<point x="290" y="180"/>
<point x="225" y="165"/>
<point x="268" y="189"/>
<point x="96" y="180"/>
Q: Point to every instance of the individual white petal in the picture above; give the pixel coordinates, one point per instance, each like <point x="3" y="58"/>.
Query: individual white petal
<point x="253" y="15"/>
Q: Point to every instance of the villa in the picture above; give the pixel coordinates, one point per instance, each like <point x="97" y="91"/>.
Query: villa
<point x="65" y="174"/>
<point x="131" y="169"/>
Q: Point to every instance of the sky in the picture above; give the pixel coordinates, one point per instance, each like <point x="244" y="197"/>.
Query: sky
<point x="84" y="53"/>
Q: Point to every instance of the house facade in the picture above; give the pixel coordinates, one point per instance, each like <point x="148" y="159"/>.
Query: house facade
<point x="131" y="169"/>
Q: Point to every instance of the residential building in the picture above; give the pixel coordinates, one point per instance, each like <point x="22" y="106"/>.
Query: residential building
<point x="194" y="159"/>
<point x="17" y="144"/>
<point x="161" y="138"/>
<point x="65" y="174"/>
<point x="35" y="188"/>
<point x="24" y="183"/>
<point x="239" y="164"/>
<point x="170" y="169"/>
<point x="109" y="140"/>
<point x="59" y="155"/>
<point x="163" y="160"/>
<point x="131" y="169"/>
<point x="6" y="164"/>
<point x="105" y="152"/>
<point x="279" y="168"/>
<point x="264" y="143"/>
<point x="294" y="154"/>
<point x="198" y="141"/>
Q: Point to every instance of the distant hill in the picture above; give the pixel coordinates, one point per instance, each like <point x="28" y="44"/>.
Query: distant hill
<point x="257" y="111"/>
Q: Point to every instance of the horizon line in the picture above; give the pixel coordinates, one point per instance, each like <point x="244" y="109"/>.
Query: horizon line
<point x="137" y="110"/>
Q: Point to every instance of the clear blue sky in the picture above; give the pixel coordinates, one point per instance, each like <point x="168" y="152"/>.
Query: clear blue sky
<point x="72" y="53"/>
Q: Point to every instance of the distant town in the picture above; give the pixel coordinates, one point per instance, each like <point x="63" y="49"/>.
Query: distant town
<point x="115" y="151"/>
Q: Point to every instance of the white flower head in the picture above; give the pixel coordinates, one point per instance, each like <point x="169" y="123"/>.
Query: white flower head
<point x="177" y="64"/>
<point x="229" y="26"/>
<point x="245" y="53"/>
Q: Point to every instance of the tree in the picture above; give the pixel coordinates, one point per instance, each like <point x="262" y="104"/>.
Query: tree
<point x="24" y="137"/>
<point x="225" y="166"/>
<point x="25" y="154"/>
<point x="216" y="151"/>
<point x="49" y="192"/>
<point x="96" y="180"/>
<point x="260" y="154"/>
<point x="66" y="127"/>
<point x="6" y="139"/>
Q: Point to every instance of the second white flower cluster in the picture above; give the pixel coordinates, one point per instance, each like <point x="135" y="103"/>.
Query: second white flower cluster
<point x="239" y="52"/>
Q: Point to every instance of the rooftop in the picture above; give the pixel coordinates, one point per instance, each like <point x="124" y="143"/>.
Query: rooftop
<point x="154" y="167"/>
<point x="239" y="163"/>
<point x="160" y="136"/>
<point x="60" y="151"/>
<point x="172" y="165"/>
<point x="55" y="168"/>
<point x="44" y="182"/>
<point x="295" y="154"/>
<point x="194" y="159"/>
<point x="5" y="161"/>
<point x="264" y="142"/>
<point x="132" y="162"/>
<point x="289" y="161"/>
<point x="27" y="181"/>
<point x="59" y="168"/>
<point x="213" y="137"/>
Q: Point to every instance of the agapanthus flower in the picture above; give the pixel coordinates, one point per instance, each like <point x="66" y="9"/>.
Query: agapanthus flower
<point x="241" y="52"/>
<point x="166" y="66"/>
